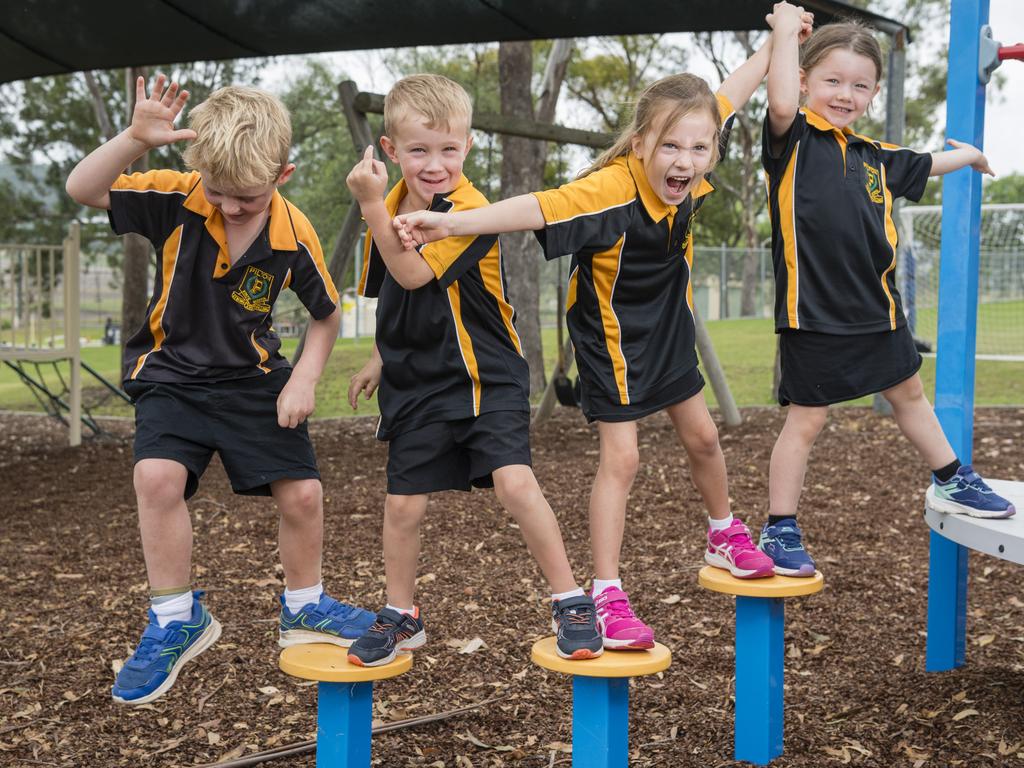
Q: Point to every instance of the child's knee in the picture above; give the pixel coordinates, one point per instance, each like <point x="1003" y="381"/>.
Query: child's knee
<point x="404" y="511"/>
<point x="514" y="484"/>
<point x="703" y="441"/>
<point x="159" y="483"/>
<point x="301" y="500"/>
<point x="909" y="391"/>
<point x="807" y="423"/>
<point x="620" y="462"/>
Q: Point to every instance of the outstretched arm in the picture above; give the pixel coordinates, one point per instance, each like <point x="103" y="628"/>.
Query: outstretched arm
<point x="955" y="159"/>
<point x="152" y="126"/>
<point x="367" y="182"/>
<point x="788" y="29"/>
<point x="512" y="215"/>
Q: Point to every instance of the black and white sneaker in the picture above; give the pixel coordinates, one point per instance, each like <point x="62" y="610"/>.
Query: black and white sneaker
<point x="391" y="632"/>
<point x="574" y="621"/>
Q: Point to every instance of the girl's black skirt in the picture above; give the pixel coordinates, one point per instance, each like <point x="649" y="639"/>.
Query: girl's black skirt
<point x="825" y="368"/>
<point x="598" y="406"/>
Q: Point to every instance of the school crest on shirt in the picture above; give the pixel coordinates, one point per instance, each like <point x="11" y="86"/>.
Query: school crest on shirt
<point x="253" y="292"/>
<point x="873" y="184"/>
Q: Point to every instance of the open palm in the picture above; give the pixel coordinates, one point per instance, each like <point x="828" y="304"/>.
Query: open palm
<point x="154" y="115"/>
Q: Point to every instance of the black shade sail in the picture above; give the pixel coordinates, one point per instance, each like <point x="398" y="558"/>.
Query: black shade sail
<point x="50" y="37"/>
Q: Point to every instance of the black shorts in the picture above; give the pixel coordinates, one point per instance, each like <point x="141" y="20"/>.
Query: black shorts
<point x="598" y="406"/>
<point x="457" y="455"/>
<point x="824" y="368"/>
<point x="186" y="423"/>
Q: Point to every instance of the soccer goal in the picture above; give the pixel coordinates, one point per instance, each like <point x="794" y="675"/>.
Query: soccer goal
<point x="1000" y="282"/>
<point x="39" y="323"/>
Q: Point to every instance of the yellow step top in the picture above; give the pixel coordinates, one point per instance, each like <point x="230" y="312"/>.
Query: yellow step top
<point x="608" y="664"/>
<point x="720" y="580"/>
<point x="329" y="664"/>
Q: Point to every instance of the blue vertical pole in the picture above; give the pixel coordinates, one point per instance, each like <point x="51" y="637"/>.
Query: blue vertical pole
<point x="958" y="318"/>
<point x="759" y="677"/>
<point x="600" y="722"/>
<point x="344" y="722"/>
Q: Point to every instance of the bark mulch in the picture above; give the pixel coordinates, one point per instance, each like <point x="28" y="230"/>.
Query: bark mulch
<point x="74" y="596"/>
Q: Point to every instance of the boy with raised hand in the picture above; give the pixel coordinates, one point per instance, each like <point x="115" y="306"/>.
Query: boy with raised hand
<point x="205" y="371"/>
<point x="453" y="382"/>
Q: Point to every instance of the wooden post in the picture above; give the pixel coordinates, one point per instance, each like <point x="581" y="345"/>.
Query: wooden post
<point x="72" y="330"/>
<point x="716" y="376"/>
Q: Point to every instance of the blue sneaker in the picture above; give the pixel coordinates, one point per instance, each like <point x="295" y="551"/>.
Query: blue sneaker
<point x="967" y="494"/>
<point x="162" y="652"/>
<point x="326" y="621"/>
<point x="783" y="543"/>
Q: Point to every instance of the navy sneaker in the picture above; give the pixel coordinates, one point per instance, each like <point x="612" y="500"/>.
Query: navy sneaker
<point x="783" y="543"/>
<point x="162" y="652"/>
<point x="574" y="621"/>
<point x="326" y="621"/>
<point x="393" y="631"/>
<point x="967" y="494"/>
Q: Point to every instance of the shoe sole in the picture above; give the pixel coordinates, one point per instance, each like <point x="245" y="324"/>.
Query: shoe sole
<point x="209" y="637"/>
<point x="416" y="641"/>
<point x="305" y="637"/>
<point x="720" y="562"/>
<point x="955" y="508"/>
<point x="627" y="645"/>
<point x="579" y="654"/>
<point x="804" y="571"/>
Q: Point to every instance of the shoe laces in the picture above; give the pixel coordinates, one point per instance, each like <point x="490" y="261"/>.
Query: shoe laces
<point x="739" y="538"/>
<point x="578" y="614"/>
<point x="150" y="645"/>
<point x="790" y="538"/>
<point x="618" y="607"/>
<point x="973" y="480"/>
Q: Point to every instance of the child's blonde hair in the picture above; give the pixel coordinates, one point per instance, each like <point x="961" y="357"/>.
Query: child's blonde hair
<point x="847" y="35"/>
<point x="674" y="96"/>
<point x="440" y="100"/>
<point x="243" y="137"/>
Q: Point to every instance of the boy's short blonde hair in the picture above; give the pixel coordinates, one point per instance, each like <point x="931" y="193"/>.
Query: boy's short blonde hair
<point x="435" y="97"/>
<point x="243" y="137"/>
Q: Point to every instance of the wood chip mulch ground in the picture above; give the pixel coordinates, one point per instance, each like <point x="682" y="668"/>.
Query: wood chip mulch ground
<point x="73" y="599"/>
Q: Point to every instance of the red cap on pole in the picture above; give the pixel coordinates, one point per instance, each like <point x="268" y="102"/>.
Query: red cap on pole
<point x="1011" y="52"/>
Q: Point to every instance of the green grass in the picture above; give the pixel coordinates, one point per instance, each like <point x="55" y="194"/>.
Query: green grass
<point x="746" y="349"/>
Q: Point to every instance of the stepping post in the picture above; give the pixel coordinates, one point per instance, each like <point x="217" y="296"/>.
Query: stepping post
<point x="344" y="700"/>
<point x="600" y="699"/>
<point x="760" y="626"/>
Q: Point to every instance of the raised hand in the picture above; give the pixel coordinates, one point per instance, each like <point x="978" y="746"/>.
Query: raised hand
<point x="154" y="115"/>
<point x="807" y="27"/>
<point x="368" y="180"/>
<point x="786" y="16"/>
<point x="421" y="227"/>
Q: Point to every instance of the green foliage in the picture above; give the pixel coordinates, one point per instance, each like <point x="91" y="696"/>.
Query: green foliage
<point x="1005" y="189"/>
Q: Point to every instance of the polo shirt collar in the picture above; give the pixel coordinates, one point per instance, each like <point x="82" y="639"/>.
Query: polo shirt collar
<point x="817" y="121"/>
<point x="281" y="230"/>
<point x="398" y="192"/>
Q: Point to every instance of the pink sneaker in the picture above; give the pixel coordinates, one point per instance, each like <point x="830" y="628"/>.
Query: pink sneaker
<point x="621" y="630"/>
<point x="734" y="550"/>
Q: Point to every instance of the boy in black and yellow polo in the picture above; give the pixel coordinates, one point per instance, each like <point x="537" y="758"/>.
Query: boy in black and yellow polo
<point x="205" y="371"/>
<point x="454" y="385"/>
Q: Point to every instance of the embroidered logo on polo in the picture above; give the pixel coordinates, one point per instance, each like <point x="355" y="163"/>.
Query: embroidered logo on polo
<point x="253" y="292"/>
<point x="873" y="184"/>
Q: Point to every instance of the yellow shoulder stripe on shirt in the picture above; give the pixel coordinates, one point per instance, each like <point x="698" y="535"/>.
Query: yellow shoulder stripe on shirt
<point x="162" y="181"/>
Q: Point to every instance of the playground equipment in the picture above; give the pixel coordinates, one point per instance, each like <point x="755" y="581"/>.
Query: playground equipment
<point x="760" y="621"/>
<point x="600" y="699"/>
<point x="344" y="700"/>
<point x="970" y="64"/>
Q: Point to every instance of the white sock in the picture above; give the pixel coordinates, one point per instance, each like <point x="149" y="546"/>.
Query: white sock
<point x="720" y="525"/>
<point x="600" y="585"/>
<point x="170" y="608"/>
<point x="396" y="609"/>
<point x="297" y="598"/>
<point x="556" y="596"/>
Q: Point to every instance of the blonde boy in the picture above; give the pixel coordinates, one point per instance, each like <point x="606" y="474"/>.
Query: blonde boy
<point x="454" y="385"/>
<point x="205" y="371"/>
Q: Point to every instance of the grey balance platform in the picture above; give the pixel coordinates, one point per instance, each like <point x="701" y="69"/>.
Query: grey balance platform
<point x="999" y="538"/>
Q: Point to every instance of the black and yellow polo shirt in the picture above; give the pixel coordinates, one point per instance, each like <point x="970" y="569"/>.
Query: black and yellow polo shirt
<point x="209" y="319"/>
<point x="450" y="348"/>
<point x="830" y="195"/>
<point x="629" y="304"/>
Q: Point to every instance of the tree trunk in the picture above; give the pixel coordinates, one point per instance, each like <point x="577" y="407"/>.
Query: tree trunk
<point x="522" y="171"/>
<point x="137" y="249"/>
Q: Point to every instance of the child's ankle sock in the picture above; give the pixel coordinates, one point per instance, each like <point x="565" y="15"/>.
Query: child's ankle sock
<point x="176" y="606"/>
<point x="578" y="592"/>
<point x="414" y="612"/>
<point x="600" y="585"/>
<point x="720" y="525"/>
<point x="773" y="519"/>
<point x="296" y="599"/>
<point x="945" y="474"/>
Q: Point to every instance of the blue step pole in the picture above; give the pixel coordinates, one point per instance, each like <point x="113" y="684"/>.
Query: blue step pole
<point x="344" y="725"/>
<point x="957" y="322"/>
<point x="759" y="678"/>
<point x="600" y="722"/>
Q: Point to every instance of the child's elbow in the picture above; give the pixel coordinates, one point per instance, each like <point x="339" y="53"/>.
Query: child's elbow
<point x="415" y="281"/>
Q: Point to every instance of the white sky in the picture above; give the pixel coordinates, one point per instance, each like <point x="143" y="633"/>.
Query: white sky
<point x="1004" y="113"/>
